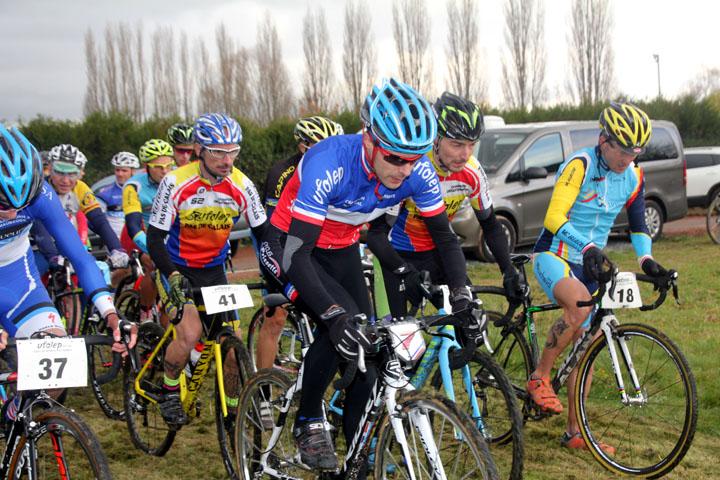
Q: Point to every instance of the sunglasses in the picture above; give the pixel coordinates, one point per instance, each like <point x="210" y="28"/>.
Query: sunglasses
<point x="219" y="153"/>
<point x="65" y="174"/>
<point x="184" y="151"/>
<point x="393" y="159"/>
<point x="8" y="209"/>
<point x="164" y="166"/>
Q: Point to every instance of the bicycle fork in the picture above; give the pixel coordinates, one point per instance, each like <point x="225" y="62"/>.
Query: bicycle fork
<point x="611" y="336"/>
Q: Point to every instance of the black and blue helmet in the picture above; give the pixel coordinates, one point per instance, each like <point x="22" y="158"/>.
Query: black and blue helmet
<point x="21" y="172"/>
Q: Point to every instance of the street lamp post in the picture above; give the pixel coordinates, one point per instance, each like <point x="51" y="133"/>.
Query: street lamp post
<point x="657" y="60"/>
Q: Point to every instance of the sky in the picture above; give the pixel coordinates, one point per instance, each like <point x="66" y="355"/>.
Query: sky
<point x="42" y="65"/>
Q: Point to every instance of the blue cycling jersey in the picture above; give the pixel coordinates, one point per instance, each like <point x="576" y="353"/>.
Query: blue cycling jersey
<point x="110" y="199"/>
<point x="587" y="198"/>
<point x="23" y="291"/>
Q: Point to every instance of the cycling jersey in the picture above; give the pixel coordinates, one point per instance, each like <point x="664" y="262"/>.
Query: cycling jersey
<point x="586" y="199"/>
<point x="410" y="232"/>
<point x="277" y="179"/>
<point x="334" y="187"/>
<point x="23" y="298"/>
<point x="138" y="195"/>
<point x="110" y="199"/>
<point x="199" y="216"/>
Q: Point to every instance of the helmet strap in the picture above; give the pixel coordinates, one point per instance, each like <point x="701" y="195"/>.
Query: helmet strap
<point x="206" y="171"/>
<point x="436" y="153"/>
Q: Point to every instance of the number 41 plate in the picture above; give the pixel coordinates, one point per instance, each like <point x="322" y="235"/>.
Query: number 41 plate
<point x="57" y="362"/>
<point x="626" y="295"/>
<point x="223" y="298"/>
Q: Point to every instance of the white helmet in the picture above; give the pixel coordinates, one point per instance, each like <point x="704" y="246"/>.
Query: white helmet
<point x="69" y="154"/>
<point x="125" y="159"/>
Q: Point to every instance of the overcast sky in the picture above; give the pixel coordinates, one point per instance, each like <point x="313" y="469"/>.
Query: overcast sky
<point x="42" y="66"/>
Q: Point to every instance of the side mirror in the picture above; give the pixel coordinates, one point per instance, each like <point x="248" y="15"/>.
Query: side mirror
<point x="534" y="172"/>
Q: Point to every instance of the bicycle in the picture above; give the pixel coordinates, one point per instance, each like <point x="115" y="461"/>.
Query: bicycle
<point x="143" y="379"/>
<point x="637" y="358"/>
<point x="56" y="442"/>
<point x="417" y="436"/>
<point x="713" y="219"/>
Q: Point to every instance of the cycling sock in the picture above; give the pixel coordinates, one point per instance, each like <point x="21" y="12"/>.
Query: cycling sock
<point x="301" y="420"/>
<point x="231" y="402"/>
<point x="171" y="384"/>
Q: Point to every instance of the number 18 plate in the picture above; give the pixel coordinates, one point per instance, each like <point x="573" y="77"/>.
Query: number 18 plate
<point x="626" y="295"/>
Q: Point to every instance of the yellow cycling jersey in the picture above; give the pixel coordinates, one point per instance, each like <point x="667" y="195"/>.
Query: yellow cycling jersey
<point x="80" y="198"/>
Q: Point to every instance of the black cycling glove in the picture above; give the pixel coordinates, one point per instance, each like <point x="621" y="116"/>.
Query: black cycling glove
<point x="514" y="286"/>
<point x="416" y="284"/>
<point x="594" y="263"/>
<point x="345" y="335"/>
<point x="653" y="269"/>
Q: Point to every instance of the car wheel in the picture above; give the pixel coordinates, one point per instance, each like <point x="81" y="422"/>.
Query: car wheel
<point x="483" y="251"/>
<point x="653" y="219"/>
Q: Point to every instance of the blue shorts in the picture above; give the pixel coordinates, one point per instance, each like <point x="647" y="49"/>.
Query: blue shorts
<point x="550" y="268"/>
<point x="25" y="306"/>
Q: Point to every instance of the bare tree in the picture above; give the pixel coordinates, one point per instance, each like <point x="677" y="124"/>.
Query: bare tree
<point x="463" y="50"/>
<point x="360" y="54"/>
<point x="110" y="72"/>
<point x="524" y="73"/>
<point x="705" y="83"/>
<point x="318" y="78"/>
<point x="411" y="27"/>
<point x="185" y="77"/>
<point x="141" y="76"/>
<point x="127" y="72"/>
<point x="591" y="54"/>
<point x="207" y="99"/>
<point x="93" y="101"/>
<point x="232" y="81"/>
<point x="273" y="95"/>
<point x="164" y="77"/>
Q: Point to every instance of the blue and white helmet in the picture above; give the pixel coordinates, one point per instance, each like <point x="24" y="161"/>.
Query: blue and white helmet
<point x="399" y="117"/>
<point x="217" y="129"/>
<point x="21" y="172"/>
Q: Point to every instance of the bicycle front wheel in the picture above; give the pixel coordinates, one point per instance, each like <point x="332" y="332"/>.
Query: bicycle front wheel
<point x="498" y="417"/>
<point x="652" y="431"/>
<point x="259" y="419"/>
<point x="713" y="220"/>
<point x="100" y="357"/>
<point x="236" y="366"/>
<point x="434" y="436"/>
<point x="128" y="302"/>
<point x="148" y="430"/>
<point x="65" y="447"/>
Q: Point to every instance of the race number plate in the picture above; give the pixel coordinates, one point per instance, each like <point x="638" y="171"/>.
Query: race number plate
<point x="626" y="295"/>
<point x="56" y="362"/>
<point x="223" y="298"/>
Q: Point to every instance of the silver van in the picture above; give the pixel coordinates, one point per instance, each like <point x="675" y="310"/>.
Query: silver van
<point x="521" y="162"/>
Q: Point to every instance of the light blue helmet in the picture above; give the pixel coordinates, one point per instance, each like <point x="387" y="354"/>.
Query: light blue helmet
<point x="217" y="129"/>
<point x="399" y="117"/>
<point x="21" y="173"/>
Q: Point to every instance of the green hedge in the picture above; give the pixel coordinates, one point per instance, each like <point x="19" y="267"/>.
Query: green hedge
<point x="101" y="135"/>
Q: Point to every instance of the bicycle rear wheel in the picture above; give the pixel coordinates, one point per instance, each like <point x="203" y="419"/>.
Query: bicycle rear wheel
<point x="66" y="447"/>
<point x="512" y="352"/>
<point x="713" y="220"/>
<point x="652" y="433"/>
<point x="500" y="421"/>
<point x="236" y="367"/>
<point x="100" y="357"/>
<point x="148" y="430"/>
<point x="431" y="422"/>
<point x="289" y="354"/>
<point x="259" y="415"/>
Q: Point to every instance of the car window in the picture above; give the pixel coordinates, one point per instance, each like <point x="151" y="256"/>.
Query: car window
<point x="697" y="160"/>
<point x="661" y="147"/>
<point x="584" y="138"/>
<point x="546" y="152"/>
<point x="494" y="148"/>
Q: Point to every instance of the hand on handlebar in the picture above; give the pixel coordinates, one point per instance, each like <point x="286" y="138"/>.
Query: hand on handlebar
<point x="415" y="283"/>
<point x="119" y="329"/>
<point x="594" y="261"/>
<point x="515" y="288"/>
<point x="345" y="335"/>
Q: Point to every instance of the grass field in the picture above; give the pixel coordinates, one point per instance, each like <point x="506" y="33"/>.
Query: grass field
<point x="694" y="326"/>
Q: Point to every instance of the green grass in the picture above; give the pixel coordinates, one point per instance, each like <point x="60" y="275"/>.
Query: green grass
<point x="694" y="326"/>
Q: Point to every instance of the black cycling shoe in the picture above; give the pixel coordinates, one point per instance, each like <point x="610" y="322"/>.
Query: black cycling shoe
<point x="315" y="446"/>
<point x="172" y="410"/>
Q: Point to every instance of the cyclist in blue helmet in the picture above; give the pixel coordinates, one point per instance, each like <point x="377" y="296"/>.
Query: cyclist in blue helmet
<point x="310" y="250"/>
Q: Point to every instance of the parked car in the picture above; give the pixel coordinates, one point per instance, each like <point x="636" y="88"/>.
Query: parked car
<point x="239" y="231"/>
<point x="522" y="160"/>
<point x="703" y="175"/>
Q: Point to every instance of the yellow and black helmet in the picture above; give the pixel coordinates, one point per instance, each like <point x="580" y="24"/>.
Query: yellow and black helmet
<point x="155" y="148"/>
<point x="313" y="129"/>
<point x="627" y="125"/>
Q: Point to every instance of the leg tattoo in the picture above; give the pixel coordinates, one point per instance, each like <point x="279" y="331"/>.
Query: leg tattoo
<point x="556" y="331"/>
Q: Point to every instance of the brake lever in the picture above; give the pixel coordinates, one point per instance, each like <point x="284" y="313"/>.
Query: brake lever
<point x="613" y="280"/>
<point x="673" y="282"/>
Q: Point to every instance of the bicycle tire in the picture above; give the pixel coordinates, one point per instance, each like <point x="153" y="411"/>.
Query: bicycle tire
<point x="64" y="444"/>
<point x="671" y="406"/>
<point x="128" y="303"/>
<point x="148" y="430"/>
<point x="463" y="452"/>
<point x="235" y="376"/>
<point x="289" y="344"/>
<point x="252" y="434"/>
<point x="713" y="220"/>
<point x="110" y="395"/>
<point x="512" y="352"/>
<point x="501" y="421"/>
<point x="70" y="309"/>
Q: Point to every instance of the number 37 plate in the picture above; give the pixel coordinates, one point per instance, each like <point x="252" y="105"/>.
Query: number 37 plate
<point x="51" y="363"/>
